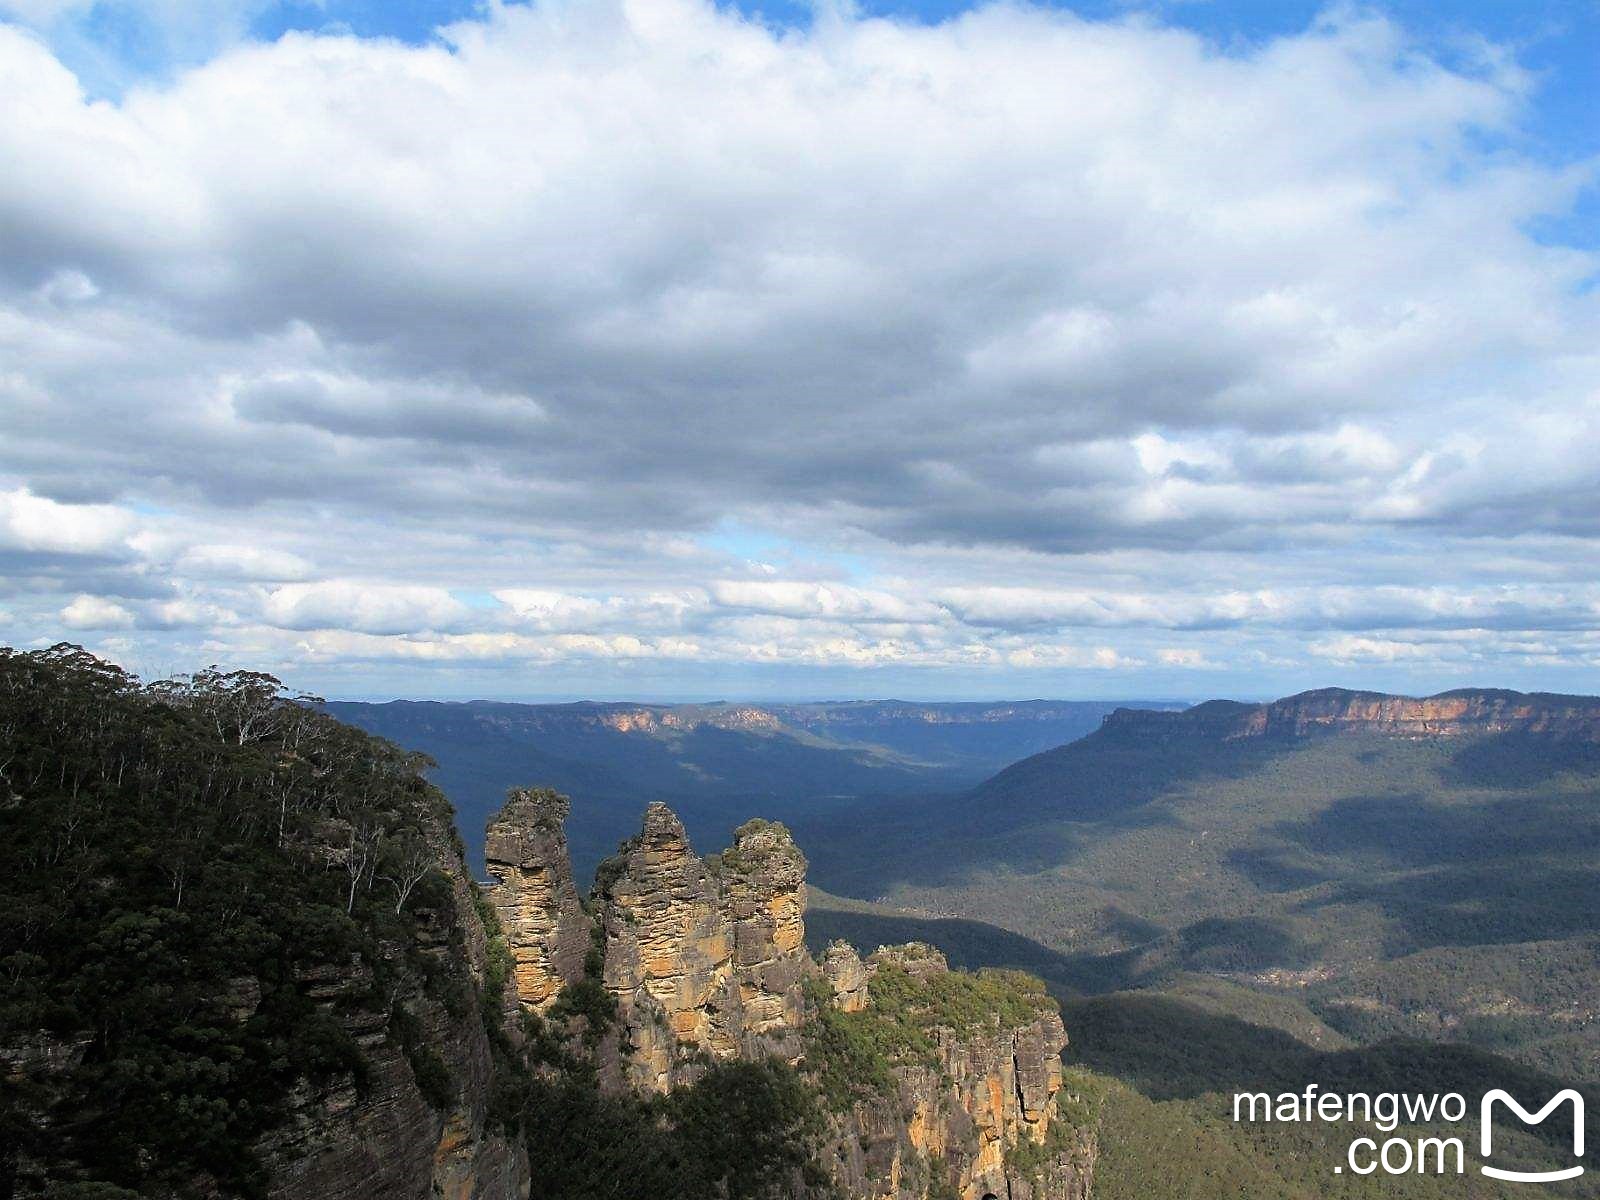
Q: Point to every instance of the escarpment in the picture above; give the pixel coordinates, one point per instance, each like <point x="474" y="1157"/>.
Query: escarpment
<point x="412" y="1119"/>
<point x="931" y="1081"/>
<point x="1462" y="713"/>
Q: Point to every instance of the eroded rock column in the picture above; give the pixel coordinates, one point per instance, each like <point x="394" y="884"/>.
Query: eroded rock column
<point x="764" y="895"/>
<point x="669" y="950"/>
<point x="534" y="896"/>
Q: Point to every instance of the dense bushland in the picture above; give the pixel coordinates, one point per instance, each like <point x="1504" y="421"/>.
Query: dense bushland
<point x="185" y="860"/>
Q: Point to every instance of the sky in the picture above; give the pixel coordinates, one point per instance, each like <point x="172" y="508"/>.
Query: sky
<point x="665" y="349"/>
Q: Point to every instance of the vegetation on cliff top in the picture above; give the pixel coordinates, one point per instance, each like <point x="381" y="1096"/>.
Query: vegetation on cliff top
<point x="744" y="1131"/>
<point x="203" y="877"/>
<point x="185" y="861"/>
<point x="853" y="1054"/>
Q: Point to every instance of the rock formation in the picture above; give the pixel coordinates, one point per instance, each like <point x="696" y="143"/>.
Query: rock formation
<point x="706" y="959"/>
<point x="546" y="929"/>
<point x="964" y="1114"/>
<point x="846" y="975"/>
<point x="668" y="954"/>
<point x="764" y="897"/>
<point x="703" y="958"/>
<point x="1462" y="713"/>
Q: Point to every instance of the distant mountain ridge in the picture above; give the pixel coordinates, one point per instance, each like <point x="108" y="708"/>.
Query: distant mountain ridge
<point x="713" y="761"/>
<point x="1464" y="711"/>
<point x="1394" y="866"/>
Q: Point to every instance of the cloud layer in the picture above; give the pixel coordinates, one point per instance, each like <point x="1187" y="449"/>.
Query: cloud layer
<point x="1012" y="349"/>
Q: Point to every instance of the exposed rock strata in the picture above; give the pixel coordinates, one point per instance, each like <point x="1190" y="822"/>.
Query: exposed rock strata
<point x="1469" y="712"/>
<point x="962" y="1116"/>
<point x="706" y="959"/>
<point x="545" y="926"/>
<point x="846" y="975"/>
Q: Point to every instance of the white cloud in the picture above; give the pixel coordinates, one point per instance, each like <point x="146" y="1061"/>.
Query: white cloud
<point x="223" y="561"/>
<point x="1100" y="658"/>
<point x="794" y="598"/>
<point x="368" y="608"/>
<point x="186" y="614"/>
<point x="37" y="523"/>
<point x="1034" y="343"/>
<point x="94" y="612"/>
<point x="1350" y="648"/>
<point x="1188" y="658"/>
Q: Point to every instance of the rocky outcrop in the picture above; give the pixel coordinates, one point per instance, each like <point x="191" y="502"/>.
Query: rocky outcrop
<point x="668" y="955"/>
<point x="703" y="958"/>
<point x="977" y="1114"/>
<point x="686" y="717"/>
<point x="546" y="929"/>
<point x="764" y="897"/>
<point x="1463" y="713"/>
<point x="846" y="975"/>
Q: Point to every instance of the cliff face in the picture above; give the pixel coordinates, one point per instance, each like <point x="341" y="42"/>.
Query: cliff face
<point x="256" y="967"/>
<point x="843" y="969"/>
<point x="978" y="1113"/>
<point x="378" y="1133"/>
<point x="706" y="960"/>
<point x="1469" y="712"/>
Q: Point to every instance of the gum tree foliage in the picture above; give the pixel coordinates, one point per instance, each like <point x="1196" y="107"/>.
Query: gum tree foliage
<point x="177" y="858"/>
<point x="181" y="858"/>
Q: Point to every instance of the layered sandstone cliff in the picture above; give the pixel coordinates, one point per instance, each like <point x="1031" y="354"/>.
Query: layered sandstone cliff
<point x="1464" y="713"/>
<point x="705" y="959"/>
<point x="846" y="976"/>
<point x="976" y="1112"/>
<point x="534" y="896"/>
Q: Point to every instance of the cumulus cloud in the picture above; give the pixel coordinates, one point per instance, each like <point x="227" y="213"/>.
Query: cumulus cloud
<point x="1028" y="343"/>
<point x="365" y="607"/>
<point x="37" y="523"/>
<point x="242" y="562"/>
<point x="795" y="598"/>
<point x="94" y="612"/>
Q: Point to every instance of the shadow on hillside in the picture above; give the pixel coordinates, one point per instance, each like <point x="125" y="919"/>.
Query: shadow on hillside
<point x="1479" y="905"/>
<point x="1279" y="868"/>
<point x="1409" y="831"/>
<point x="971" y="945"/>
<point x="1173" y="1050"/>
<point x="1239" y="944"/>
<point x="1038" y="814"/>
<point x="1516" y="760"/>
<point x="1511" y="869"/>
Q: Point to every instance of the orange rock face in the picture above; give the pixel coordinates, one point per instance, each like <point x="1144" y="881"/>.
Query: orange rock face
<point x="703" y="959"/>
<point x="706" y="960"/>
<point x="534" y="896"/>
<point x="959" y="1116"/>
<point x="847" y="975"/>
<point x="1465" y="713"/>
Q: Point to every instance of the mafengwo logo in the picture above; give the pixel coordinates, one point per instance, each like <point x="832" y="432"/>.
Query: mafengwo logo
<point x="1486" y="1121"/>
<point x="1432" y="1153"/>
